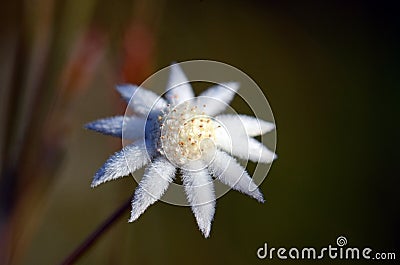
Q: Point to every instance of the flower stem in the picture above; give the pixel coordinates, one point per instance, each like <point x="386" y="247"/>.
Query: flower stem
<point x="92" y="238"/>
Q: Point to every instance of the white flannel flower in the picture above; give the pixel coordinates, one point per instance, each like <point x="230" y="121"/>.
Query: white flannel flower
<point x="184" y="134"/>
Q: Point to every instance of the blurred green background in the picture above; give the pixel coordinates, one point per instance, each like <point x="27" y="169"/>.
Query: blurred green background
<point x="328" y="68"/>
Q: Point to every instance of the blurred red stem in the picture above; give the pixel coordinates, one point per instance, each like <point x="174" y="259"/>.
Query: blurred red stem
<point x="92" y="238"/>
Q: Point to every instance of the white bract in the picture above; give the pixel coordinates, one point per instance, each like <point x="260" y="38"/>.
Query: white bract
<point x="184" y="134"/>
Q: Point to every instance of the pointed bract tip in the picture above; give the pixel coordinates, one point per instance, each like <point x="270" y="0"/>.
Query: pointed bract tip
<point x="133" y="217"/>
<point x="177" y="76"/>
<point x="232" y="85"/>
<point x="256" y="194"/>
<point x="121" y="88"/>
<point x="266" y="126"/>
<point x="126" y="91"/>
<point x="206" y="231"/>
<point x="92" y="126"/>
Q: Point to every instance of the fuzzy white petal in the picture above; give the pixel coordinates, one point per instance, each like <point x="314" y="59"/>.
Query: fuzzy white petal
<point x="134" y="128"/>
<point x="259" y="152"/>
<point x="126" y="91"/>
<point x="118" y="126"/>
<point x="231" y="173"/>
<point x="244" y="147"/>
<point x="155" y="181"/>
<point x="233" y="141"/>
<point x="217" y="98"/>
<point x="199" y="190"/>
<point x="108" y="126"/>
<point x="178" y="88"/>
<point x="232" y="138"/>
<point x="129" y="159"/>
<point x="141" y="100"/>
<point x="252" y="125"/>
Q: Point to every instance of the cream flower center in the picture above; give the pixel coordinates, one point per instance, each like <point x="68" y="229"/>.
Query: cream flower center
<point x="186" y="134"/>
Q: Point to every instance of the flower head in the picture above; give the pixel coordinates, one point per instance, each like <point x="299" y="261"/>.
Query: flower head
<point x="181" y="133"/>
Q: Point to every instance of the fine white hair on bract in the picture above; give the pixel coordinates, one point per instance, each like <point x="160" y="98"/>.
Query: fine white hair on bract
<point x="184" y="134"/>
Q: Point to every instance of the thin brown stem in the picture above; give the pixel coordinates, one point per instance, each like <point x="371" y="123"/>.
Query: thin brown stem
<point x="92" y="238"/>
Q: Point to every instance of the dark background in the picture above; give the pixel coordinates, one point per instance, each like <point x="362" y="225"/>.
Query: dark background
<point x="328" y="68"/>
